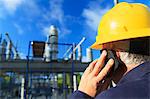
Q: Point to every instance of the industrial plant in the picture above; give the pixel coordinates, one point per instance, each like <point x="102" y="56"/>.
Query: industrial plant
<point x="51" y="69"/>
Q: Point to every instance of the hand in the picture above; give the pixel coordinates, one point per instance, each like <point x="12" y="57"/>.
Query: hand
<point x="94" y="74"/>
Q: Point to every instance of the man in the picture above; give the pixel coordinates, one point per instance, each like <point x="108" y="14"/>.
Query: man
<point x="125" y="30"/>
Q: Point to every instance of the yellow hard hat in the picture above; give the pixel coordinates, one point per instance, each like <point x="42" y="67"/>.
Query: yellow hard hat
<point x="124" y="21"/>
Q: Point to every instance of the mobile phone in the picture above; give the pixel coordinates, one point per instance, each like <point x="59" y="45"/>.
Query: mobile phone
<point x="111" y="54"/>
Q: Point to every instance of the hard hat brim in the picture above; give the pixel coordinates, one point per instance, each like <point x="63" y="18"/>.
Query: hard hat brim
<point x="98" y="45"/>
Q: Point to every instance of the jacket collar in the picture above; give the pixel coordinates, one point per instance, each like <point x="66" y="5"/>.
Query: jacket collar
<point x="136" y="73"/>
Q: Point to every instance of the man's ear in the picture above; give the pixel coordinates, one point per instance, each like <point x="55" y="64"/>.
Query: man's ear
<point x="118" y="54"/>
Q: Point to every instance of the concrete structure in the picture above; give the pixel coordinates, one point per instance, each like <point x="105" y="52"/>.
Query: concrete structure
<point x="41" y="66"/>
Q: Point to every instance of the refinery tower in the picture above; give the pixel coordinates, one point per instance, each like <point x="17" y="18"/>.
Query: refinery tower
<point x="51" y="45"/>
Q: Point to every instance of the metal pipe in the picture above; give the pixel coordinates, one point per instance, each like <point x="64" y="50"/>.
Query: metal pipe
<point x="67" y="51"/>
<point x="64" y="85"/>
<point x="0" y="38"/>
<point x="74" y="82"/>
<point x="83" y="39"/>
<point x="10" y="48"/>
<point x="76" y="47"/>
<point x="27" y="69"/>
<point x="22" y="88"/>
<point x="79" y="53"/>
<point x="72" y="70"/>
<point x="74" y="52"/>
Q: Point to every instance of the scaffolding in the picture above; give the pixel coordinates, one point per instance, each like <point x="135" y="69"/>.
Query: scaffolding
<point x="38" y="77"/>
<point x="29" y="91"/>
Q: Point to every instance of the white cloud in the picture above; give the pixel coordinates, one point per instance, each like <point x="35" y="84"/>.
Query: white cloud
<point x="56" y="15"/>
<point x="29" y="11"/>
<point x="46" y="31"/>
<point x="18" y="28"/>
<point x="32" y="9"/>
<point x="10" y="5"/>
<point x="92" y="15"/>
<point x="56" y="11"/>
<point x="1" y="13"/>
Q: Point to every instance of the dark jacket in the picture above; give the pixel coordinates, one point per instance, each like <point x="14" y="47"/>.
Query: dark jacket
<point x="134" y="85"/>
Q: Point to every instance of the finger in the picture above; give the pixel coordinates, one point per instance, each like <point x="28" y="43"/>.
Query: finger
<point x="105" y="70"/>
<point x="90" y="67"/>
<point x="99" y="63"/>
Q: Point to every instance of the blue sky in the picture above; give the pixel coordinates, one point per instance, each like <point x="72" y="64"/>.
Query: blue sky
<point x="28" y="20"/>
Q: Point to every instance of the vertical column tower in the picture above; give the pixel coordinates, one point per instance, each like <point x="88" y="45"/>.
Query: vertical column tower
<point x="89" y="54"/>
<point x="53" y="42"/>
<point x="47" y="50"/>
<point x="3" y="50"/>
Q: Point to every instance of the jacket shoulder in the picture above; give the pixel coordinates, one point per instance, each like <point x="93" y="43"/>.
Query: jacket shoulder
<point x="132" y="90"/>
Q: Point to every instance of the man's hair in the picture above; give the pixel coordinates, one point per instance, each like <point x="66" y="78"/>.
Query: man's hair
<point x="130" y="58"/>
